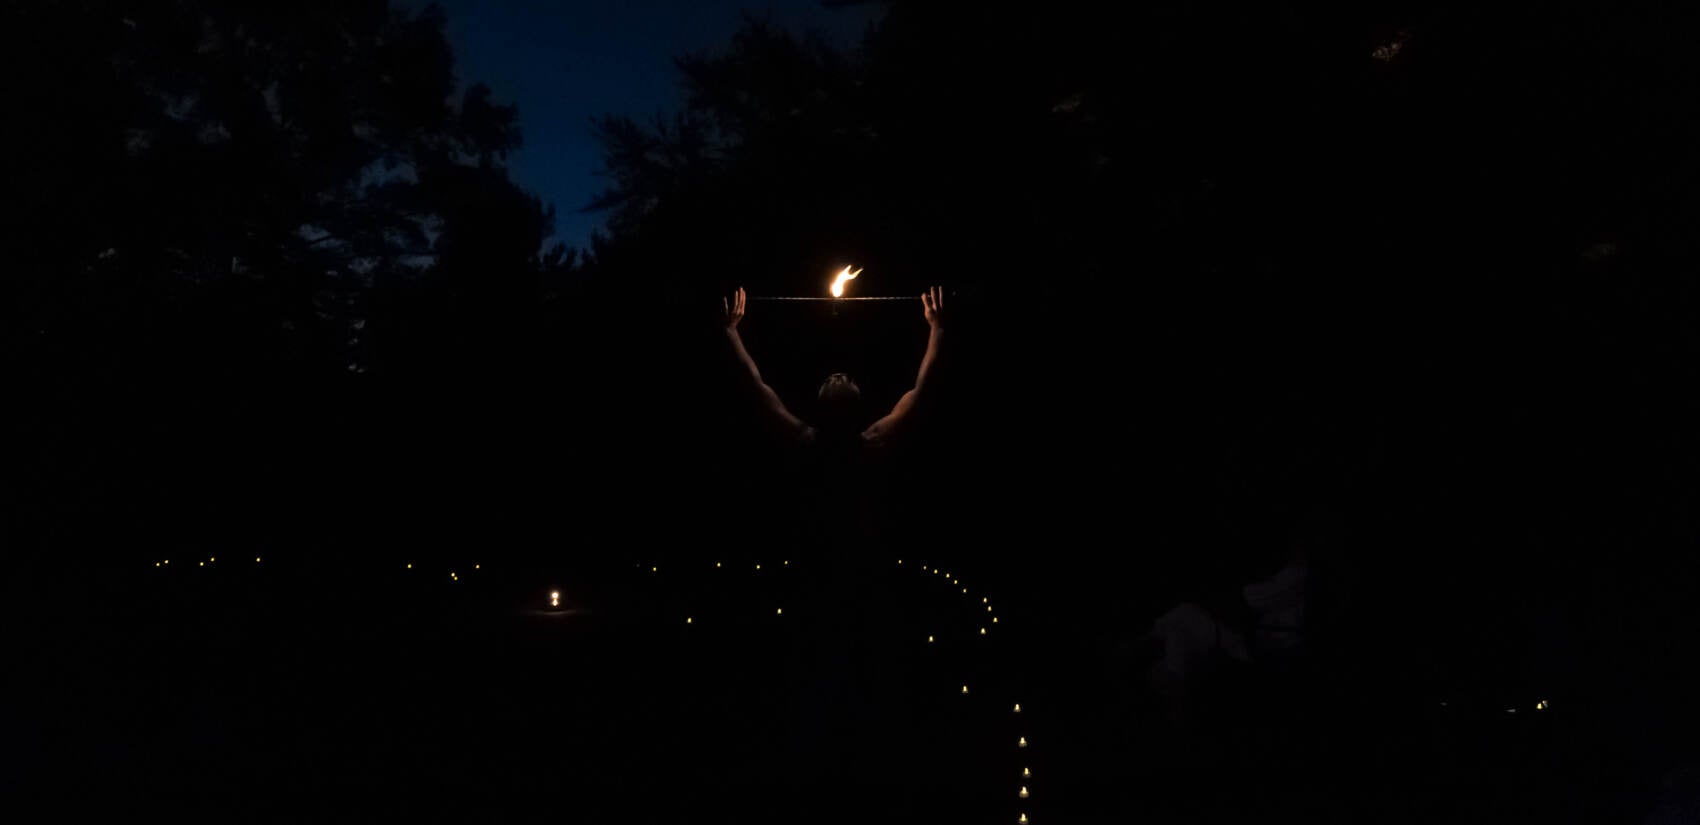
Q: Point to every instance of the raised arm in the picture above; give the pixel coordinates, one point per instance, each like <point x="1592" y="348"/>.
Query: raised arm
<point x="932" y="306"/>
<point x="772" y="408"/>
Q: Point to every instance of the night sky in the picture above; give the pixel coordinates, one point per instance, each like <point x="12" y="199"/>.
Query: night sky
<point x="565" y="63"/>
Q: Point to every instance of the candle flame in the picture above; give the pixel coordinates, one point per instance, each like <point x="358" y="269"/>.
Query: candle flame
<point x="838" y="282"/>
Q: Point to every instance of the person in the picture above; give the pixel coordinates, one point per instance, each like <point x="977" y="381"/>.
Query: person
<point x="839" y="405"/>
<point x="833" y="515"/>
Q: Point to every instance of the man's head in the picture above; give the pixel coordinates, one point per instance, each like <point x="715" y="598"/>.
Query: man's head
<point x="840" y="402"/>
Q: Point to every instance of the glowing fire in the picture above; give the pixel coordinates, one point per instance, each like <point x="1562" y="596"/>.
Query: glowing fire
<point x="554" y="598"/>
<point x="838" y="282"/>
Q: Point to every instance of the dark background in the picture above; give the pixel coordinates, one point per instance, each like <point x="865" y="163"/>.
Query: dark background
<point x="1223" y="272"/>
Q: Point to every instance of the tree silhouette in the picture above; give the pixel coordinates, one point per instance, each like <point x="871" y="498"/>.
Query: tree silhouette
<point x="293" y="151"/>
<point x="225" y="205"/>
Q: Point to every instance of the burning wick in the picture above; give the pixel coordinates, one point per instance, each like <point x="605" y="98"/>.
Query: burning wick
<point x="836" y="290"/>
<point x="843" y="277"/>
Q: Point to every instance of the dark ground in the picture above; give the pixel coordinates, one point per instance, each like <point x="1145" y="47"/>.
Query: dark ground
<point x="297" y="690"/>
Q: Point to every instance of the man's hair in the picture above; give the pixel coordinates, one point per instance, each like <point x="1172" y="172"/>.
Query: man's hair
<point x="840" y="402"/>
<point x="839" y="389"/>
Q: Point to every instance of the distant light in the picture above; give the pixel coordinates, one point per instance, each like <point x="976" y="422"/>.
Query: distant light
<point x="1023" y="794"/>
<point x="929" y="640"/>
<point x="984" y="600"/>
<point x="475" y="567"/>
<point x="1017" y="707"/>
<point x="994" y="620"/>
<point x="1022" y="743"/>
<point x="899" y="561"/>
<point x="1026" y="774"/>
<point x="779" y="612"/>
<point x="988" y="608"/>
<point x="256" y="559"/>
<point x="168" y="561"/>
<point x="982" y="631"/>
<point x="1541" y="705"/>
<point x="717" y="564"/>
<point x="965" y="590"/>
<point x="1510" y="710"/>
<point x="210" y="559"/>
<point x="410" y="565"/>
<point x="554" y="598"/>
<point x="654" y="569"/>
<point x="687" y="620"/>
<point x="787" y="563"/>
<point x="1022" y="820"/>
<point x="203" y="564"/>
<point x="964" y="690"/>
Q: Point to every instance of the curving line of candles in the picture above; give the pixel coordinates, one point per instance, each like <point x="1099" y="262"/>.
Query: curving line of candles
<point x="1022" y="791"/>
<point x="1021" y="741"/>
<point x="209" y="560"/>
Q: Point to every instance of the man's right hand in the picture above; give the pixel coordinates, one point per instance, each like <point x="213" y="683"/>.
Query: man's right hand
<point x="932" y="304"/>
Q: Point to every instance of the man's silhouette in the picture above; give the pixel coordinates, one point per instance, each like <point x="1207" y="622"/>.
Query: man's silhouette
<point x="836" y="488"/>
<point x="839" y="414"/>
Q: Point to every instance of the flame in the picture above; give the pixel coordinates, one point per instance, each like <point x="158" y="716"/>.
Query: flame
<point x="838" y="282"/>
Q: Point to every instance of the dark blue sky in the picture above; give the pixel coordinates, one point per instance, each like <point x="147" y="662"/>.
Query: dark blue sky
<point x="566" y="62"/>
